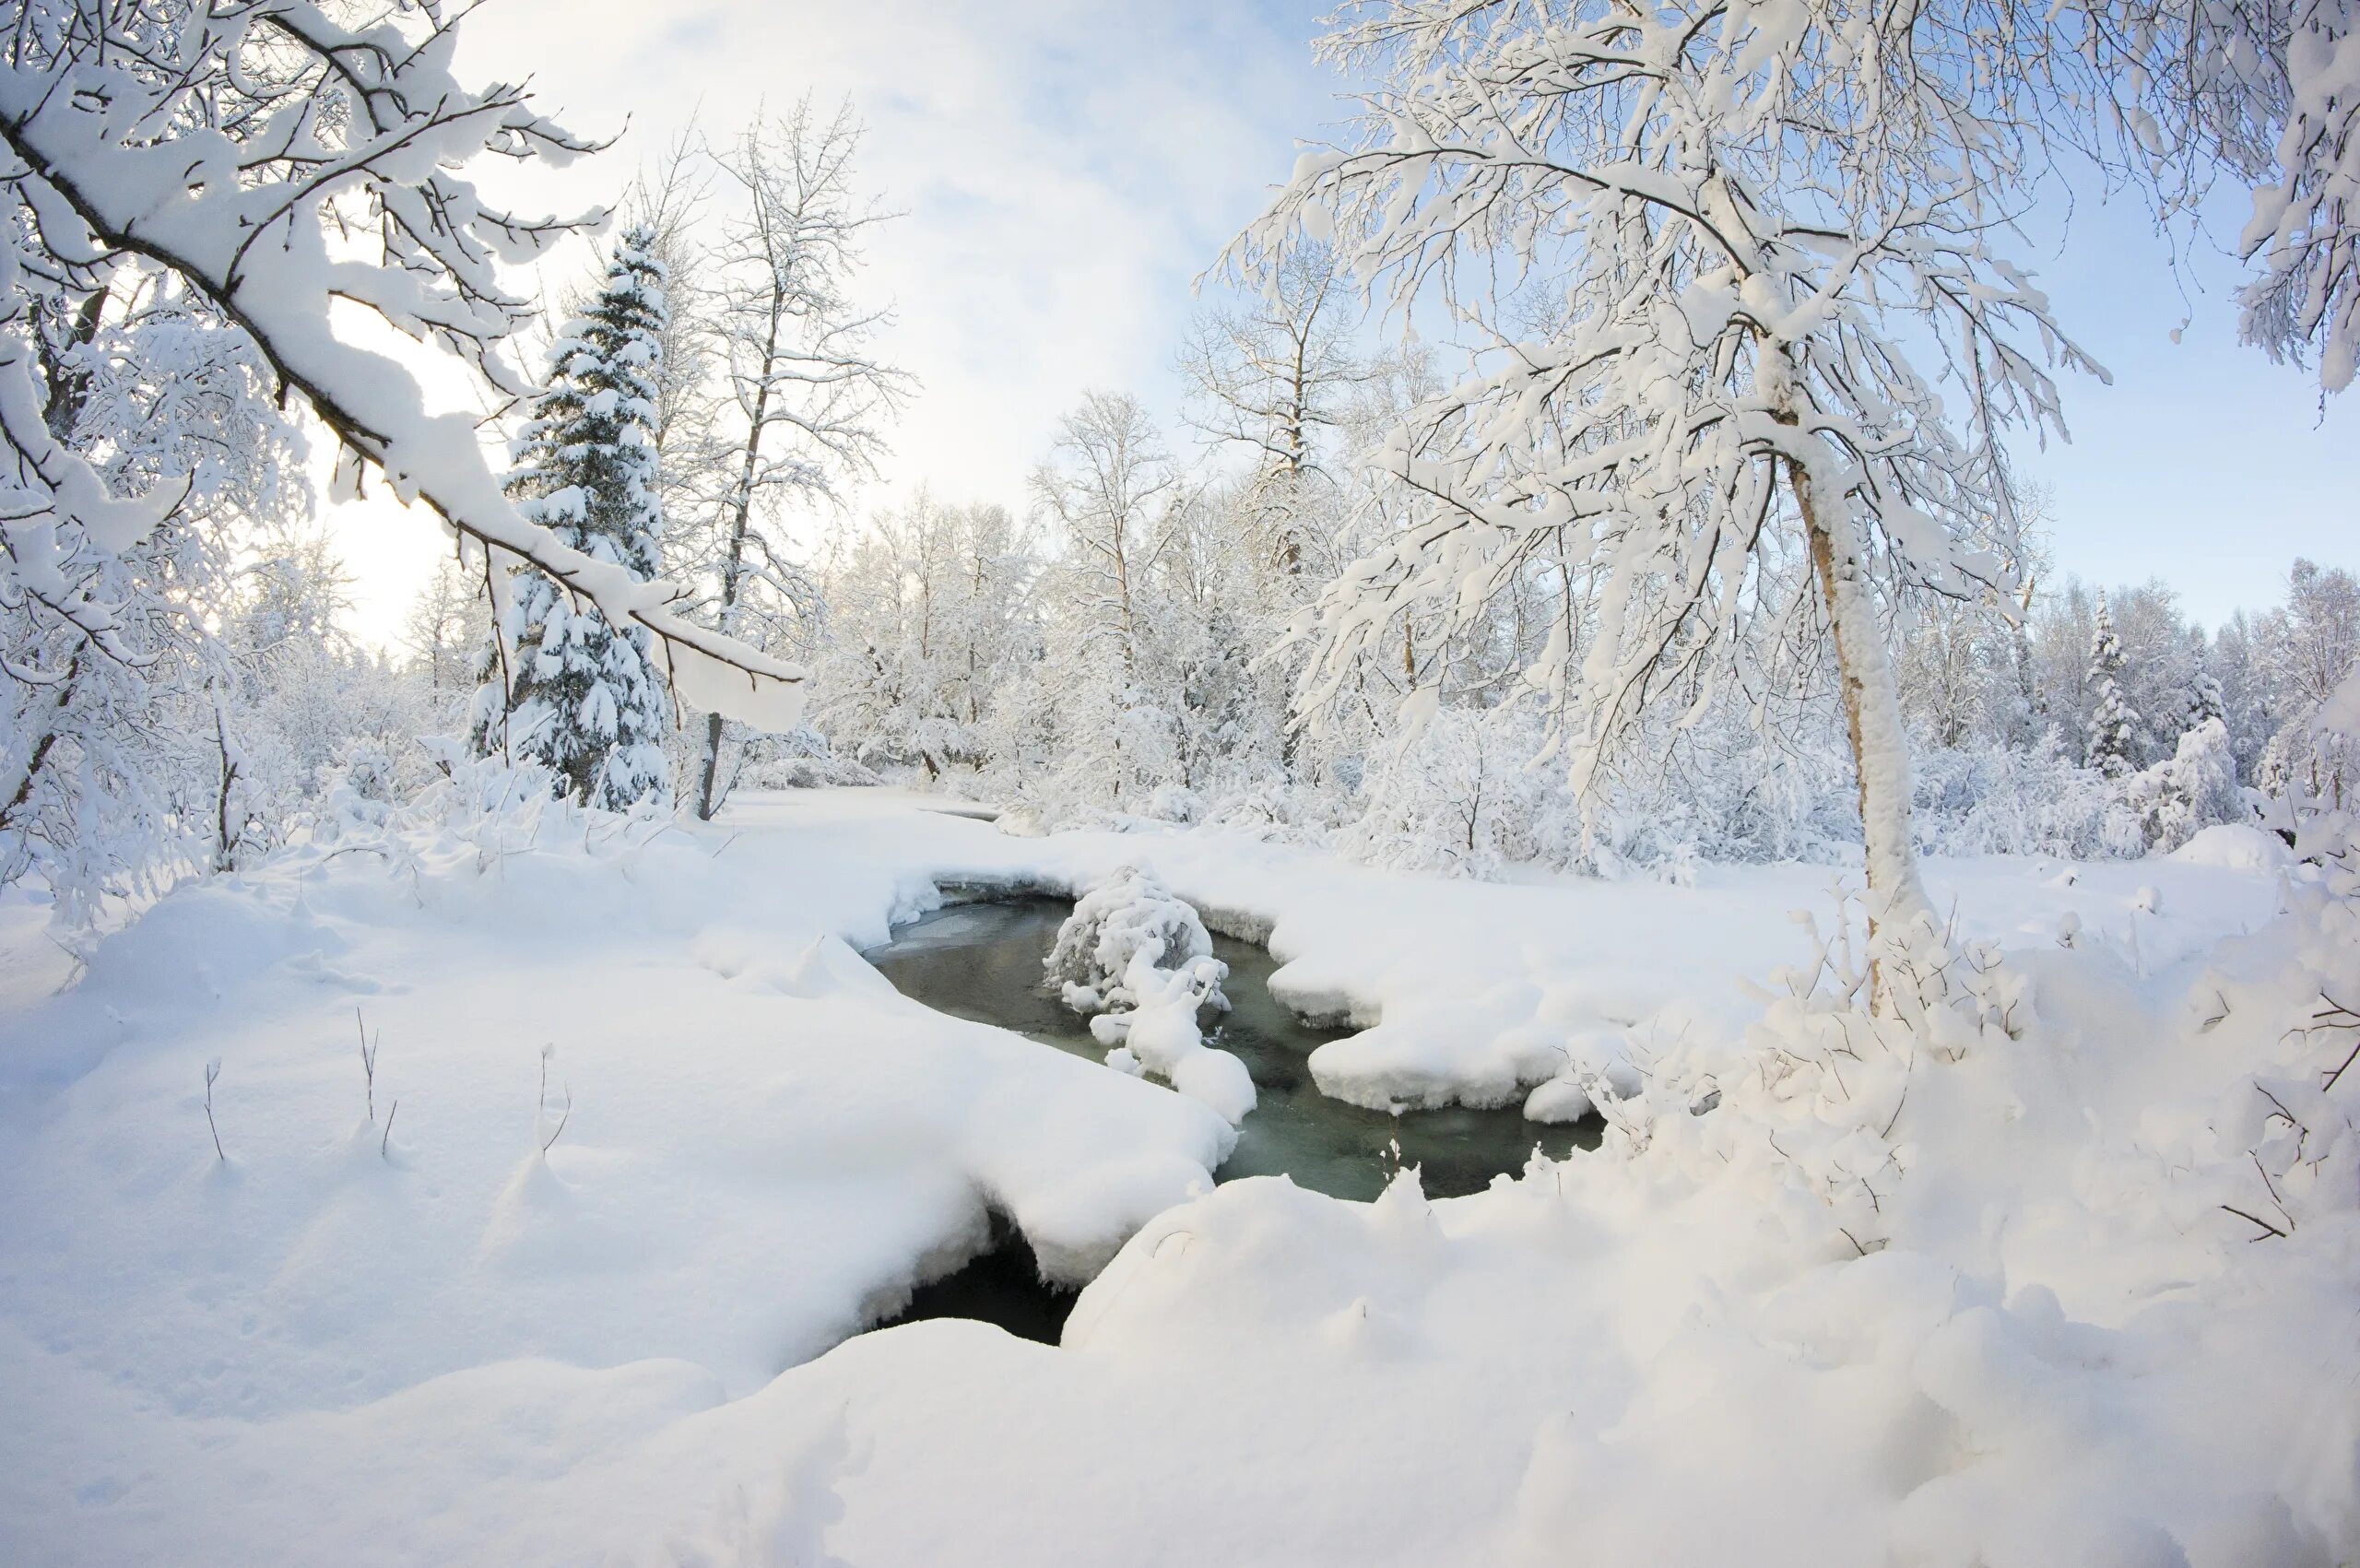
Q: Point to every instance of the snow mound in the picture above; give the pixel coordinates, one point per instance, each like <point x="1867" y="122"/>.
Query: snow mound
<point x="1117" y="920"/>
<point x="1139" y="956"/>
<point x="1160" y="1035"/>
<point x="2236" y="846"/>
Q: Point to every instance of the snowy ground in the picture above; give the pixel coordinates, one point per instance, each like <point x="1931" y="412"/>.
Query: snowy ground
<point x="438" y="1346"/>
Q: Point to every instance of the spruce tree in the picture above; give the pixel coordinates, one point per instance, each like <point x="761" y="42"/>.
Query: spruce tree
<point x="584" y="699"/>
<point x="2115" y="734"/>
<point x="2205" y="699"/>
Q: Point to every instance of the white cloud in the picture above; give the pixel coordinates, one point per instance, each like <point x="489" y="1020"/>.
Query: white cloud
<point x="1065" y="170"/>
<point x="1067" y="166"/>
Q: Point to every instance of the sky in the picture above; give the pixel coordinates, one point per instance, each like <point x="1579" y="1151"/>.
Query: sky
<point x="1066" y="169"/>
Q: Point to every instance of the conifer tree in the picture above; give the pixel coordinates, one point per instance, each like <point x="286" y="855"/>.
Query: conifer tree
<point x="2205" y="701"/>
<point x="2115" y="734"/>
<point x="582" y="698"/>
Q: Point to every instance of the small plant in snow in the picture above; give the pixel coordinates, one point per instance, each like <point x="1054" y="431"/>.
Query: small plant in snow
<point x="369" y="1063"/>
<point x="543" y="1134"/>
<point x="2296" y="1005"/>
<point x="212" y="1071"/>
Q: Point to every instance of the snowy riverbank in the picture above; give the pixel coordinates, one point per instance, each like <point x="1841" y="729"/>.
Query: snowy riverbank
<point x="437" y="1345"/>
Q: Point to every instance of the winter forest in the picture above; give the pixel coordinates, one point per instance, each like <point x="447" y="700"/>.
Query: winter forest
<point x="1183" y="785"/>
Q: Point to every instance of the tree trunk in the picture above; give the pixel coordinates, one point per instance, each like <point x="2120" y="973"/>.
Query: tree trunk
<point x="46" y="727"/>
<point x="1872" y="714"/>
<point x="733" y="566"/>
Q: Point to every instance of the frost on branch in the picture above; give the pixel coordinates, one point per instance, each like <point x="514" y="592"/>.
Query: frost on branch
<point x="246" y="150"/>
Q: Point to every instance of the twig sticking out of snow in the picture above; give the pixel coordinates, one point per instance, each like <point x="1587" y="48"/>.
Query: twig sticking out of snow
<point x="368" y="1062"/>
<point x="212" y="1071"/>
<point x="541" y="1107"/>
<point x="2335" y="1015"/>
<point x="385" y="1144"/>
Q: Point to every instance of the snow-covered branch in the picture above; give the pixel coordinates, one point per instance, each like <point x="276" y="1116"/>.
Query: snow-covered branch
<point x="243" y="150"/>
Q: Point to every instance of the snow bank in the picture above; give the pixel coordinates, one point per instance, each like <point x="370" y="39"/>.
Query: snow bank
<point x="2236" y="846"/>
<point x="762" y="1148"/>
<point x="438" y="1342"/>
<point x="2061" y="1341"/>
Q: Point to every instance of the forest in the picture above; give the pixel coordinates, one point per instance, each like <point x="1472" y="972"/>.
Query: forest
<point x="1511" y="910"/>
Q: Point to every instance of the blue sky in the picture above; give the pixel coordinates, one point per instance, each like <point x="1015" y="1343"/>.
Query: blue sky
<point x="1068" y="167"/>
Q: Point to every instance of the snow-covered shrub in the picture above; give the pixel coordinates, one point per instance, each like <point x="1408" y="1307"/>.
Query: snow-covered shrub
<point x="1269" y="805"/>
<point x="1721" y="789"/>
<point x="1126" y="915"/>
<point x="2194" y="788"/>
<point x="2277" y="1157"/>
<point x="2309" y="776"/>
<point x="1139" y="958"/>
<point x="1461" y="793"/>
<point x="801" y="759"/>
<point x="1159" y="1035"/>
<point x="1816" y="1111"/>
<point x="1990" y="799"/>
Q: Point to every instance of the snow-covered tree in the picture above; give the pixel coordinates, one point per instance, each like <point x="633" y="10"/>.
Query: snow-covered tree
<point x="448" y="631"/>
<point x="2315" y="641"/>
<point x="2194" y="788"/>
<point x="113" y="757"/>
<point x="2205" y="702"/>
<point x="1274" y="376"/>
<point x="807" y="396"/>
<point x="929" y="617"/>
<point x="2116" y="737"/>
<point x="576" y="693"/>
<point x="1115" y="499"/>
<point x="285" y="165"/>
<point x="1689" y="239"/>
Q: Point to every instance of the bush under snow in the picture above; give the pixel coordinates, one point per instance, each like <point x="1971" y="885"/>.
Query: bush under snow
<point x="1138" y="957"/>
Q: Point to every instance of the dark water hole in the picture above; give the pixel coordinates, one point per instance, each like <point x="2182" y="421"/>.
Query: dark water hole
<point x="983" y="961"/>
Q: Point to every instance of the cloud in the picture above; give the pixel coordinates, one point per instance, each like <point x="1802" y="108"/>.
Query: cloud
<point x="1064" y="169"/>
<point x="1068" y="167"/>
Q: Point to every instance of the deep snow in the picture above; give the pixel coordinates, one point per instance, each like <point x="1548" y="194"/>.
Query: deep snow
<point x="440" y="1347"/>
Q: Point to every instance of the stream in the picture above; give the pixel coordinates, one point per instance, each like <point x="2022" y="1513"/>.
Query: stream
<point x="983" y="961"/>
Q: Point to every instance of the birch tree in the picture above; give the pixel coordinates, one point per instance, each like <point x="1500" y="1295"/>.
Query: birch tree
<point x="806" y="396"/>
<point x="1113" y="494"/>
<point x="1736" y="230"/>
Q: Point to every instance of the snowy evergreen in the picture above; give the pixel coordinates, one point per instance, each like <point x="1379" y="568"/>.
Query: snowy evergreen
<point x="2205" y="702"/>
<point x="2115" y="736"/>
<point x="582" y="697"/>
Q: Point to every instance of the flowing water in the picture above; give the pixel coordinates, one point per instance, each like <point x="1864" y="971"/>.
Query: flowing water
<point x="983" y="961"/>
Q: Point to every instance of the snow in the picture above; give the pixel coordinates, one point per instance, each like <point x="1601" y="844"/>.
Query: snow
<point x="1160" y="1036"/>
<point x="2235" y="846"/>
<point x="440" y="1343"/>
<point x="1142" y="962"/>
